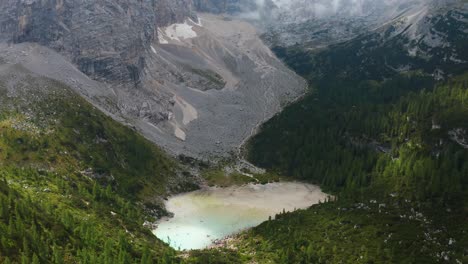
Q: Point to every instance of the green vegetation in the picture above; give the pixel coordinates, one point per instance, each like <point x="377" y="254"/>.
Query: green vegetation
<point x="267" y="177"/>
<point x="379" y="135"/>
<point x="373" y="134"/>
<point x="390" y="146"/>
<point x="75" y="186"/>
<point x="208" y="79"/>
<point x="386" y="231"/>
<point x="218" y="176"/>
<point x="216" y="256"/>
<point x="47" y="217"/>
<point x="59" y="131"/>
<point x="212" y="76"/>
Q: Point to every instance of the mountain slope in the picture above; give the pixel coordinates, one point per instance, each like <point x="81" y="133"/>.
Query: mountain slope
<point x="358" y="83"/>
<point x="431" y="39"/>
<point x="374" y="231"/>
<point x="156" y="66"/>
<point x="385" y="130"/>
<point x="105" y="39"/>
<point x="320" y="23"/>
<point x="76" y="185"/>
<point x="248" y="85"/>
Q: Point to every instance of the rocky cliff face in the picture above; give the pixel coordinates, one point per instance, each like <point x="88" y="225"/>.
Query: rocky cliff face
<point x="194" y="86"/>
<point x="106" y="39"/>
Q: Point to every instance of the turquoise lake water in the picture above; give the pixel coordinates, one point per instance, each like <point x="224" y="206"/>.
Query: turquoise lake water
<point x="202" y="216"/>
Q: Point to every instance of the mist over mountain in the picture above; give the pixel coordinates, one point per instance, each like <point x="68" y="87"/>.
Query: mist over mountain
<point x="324" y="22"/>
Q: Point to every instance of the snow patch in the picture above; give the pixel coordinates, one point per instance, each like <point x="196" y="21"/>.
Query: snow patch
<point x="178" y="32"/>
<point x="153" y="50"/>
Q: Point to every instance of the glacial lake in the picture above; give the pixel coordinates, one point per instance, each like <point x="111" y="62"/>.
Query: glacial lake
<point x="202" y="216"/>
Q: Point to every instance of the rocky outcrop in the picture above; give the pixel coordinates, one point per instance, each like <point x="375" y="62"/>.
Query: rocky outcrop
<point x="106" y="39"/>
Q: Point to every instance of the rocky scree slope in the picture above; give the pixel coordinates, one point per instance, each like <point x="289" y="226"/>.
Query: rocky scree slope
<point x="186" y="83"/>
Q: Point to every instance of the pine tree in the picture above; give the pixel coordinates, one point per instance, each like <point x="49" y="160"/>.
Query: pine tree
<point x="35" y="259"/>
<point x="58" y="255"/>
<point x="146" y="257"/>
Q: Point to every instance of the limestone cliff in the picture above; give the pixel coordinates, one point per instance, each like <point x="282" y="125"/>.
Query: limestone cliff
<point x="106" y="39"/>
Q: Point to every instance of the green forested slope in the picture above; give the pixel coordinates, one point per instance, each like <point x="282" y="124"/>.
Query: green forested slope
<point x="389" y="230"/>
<point x="74" y="182"/>
<point x="392" y="148"/>
<point x="394" y="133"/>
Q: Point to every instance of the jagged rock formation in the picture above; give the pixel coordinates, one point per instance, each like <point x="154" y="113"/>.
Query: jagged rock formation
<point x="195" y="87"/>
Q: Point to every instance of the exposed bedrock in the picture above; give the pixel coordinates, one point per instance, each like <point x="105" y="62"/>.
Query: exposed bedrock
<point x="105" y="39"/>
<point x="194" y="86"/>
<point x="216" y="121"/>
